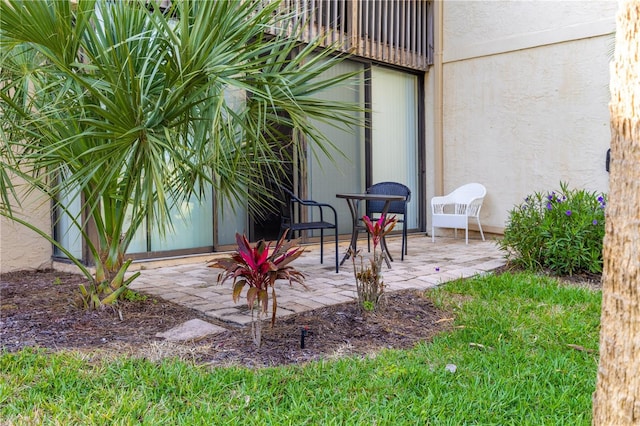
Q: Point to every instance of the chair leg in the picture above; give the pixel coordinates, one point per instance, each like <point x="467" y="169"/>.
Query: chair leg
<point x="404" y="242"/>
<point x="466" y="234"/>
<point x="480" y="227"/>
<point x="337" y="255"/>
<point x="404" y="235"/>
<point x="433" y="234"/>
<point x="321" y="246"/>
<point x="289" y="233"/>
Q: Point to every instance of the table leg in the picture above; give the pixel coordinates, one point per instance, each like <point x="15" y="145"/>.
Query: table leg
<point x="353" y="245"/>
<point x="383" y="242"/>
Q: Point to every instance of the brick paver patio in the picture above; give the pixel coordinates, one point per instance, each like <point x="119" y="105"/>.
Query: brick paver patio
<point x="191" y="283"/>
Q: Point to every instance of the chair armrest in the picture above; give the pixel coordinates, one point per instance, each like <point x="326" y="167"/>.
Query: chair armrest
<point x="312" y="203"/>
<point x="439" y="203"/>
<point x="442" y="199"/>
<point x="474" y="206"/>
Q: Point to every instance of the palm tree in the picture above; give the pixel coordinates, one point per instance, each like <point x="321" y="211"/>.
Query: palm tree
<point x="616" y="400"/>
<point x="137" y="108"/>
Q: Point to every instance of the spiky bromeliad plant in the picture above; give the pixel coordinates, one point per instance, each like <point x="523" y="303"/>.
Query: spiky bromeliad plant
<point x="259" y="267"/>
<point x="369" y="282"/>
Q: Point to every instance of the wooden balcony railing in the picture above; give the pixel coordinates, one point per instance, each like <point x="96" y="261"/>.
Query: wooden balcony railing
<point x="398" y="32"/>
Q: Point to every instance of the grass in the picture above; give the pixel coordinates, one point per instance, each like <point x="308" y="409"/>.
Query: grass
<point x="510" y="347"/>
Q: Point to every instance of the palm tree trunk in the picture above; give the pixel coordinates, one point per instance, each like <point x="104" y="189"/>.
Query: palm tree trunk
<point x="617" y="397"/>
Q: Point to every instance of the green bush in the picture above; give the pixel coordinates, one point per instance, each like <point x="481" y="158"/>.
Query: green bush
<point x="560" y="230"/>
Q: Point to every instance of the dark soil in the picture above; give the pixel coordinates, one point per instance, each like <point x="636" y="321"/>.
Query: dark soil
<point x="40" y="309"/>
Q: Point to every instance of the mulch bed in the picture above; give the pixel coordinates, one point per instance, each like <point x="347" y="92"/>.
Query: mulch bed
<point x="40" y="309"/>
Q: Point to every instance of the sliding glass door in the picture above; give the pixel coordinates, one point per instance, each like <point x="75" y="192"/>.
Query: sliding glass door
<point x="394" y="153"/>
<point x="394" y="132"/>
<point x="387" y="151"/>
<point x="345" y="172"/>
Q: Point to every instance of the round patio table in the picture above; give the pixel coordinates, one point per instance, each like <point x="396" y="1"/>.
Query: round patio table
<point x="353" y="200"/>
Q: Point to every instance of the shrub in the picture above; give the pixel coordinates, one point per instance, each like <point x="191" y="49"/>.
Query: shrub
<point x="258" y="267"/>
<point x="560" y="230"/>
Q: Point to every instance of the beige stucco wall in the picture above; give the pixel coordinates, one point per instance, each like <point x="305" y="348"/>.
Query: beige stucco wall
<point x="524" y="98"/>
<point x="21" y="248"/>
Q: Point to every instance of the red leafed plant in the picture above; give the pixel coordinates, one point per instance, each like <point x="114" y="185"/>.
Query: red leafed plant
<point x="259" y="267"/>
<point x="379" y="228"/>
<point x="369" y="282"/>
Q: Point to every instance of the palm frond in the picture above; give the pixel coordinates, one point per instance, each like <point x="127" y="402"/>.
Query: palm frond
<point x="142" y="111"/>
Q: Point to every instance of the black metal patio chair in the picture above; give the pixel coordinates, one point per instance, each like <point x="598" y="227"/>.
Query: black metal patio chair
<point x="304" y="215"/>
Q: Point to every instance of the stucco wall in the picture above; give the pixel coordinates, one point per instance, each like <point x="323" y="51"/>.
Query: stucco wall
<point x="21" y="248"/>
<point x="525" y="97"/>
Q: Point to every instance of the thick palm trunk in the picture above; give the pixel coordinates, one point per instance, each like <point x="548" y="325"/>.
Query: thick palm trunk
<point x="617" y="397"/>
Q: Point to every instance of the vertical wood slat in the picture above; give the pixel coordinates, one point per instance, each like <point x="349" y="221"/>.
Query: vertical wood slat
<point x="384" y="39"/>
<point x="430" y="34"/>
<point x="378" y="29"/>
<point x="318" y="11"/>
<point x="414" y="44"/>
<point x="366" y="36"/>
<point x="403" y="26"/>
<point x="395" y="22"/>
<point x="389" y="27"/>
<point x="306" y="11"/>
<point x="309" y="7"/>
<point x="419" y="47"/>
<point x="338" y="27"/>
<point x="355" y="20"/>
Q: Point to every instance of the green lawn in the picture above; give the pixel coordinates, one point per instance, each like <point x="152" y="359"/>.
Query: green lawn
<point x="512" y="348"/>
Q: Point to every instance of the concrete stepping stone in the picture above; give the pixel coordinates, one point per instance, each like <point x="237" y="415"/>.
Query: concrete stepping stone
<point x="190" y="330"/>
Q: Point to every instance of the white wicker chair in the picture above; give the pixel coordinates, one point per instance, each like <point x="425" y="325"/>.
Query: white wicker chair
<point x="455" y="209"/>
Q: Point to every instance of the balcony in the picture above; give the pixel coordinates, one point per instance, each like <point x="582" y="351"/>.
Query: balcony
<point x="397" y="32"/>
